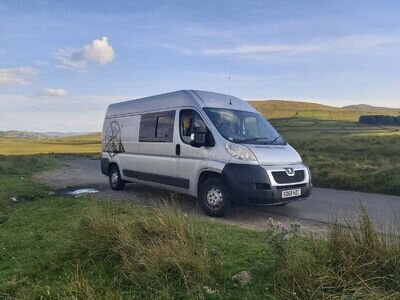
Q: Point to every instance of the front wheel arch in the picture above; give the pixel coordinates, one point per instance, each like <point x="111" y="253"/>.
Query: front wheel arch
<point x="204" y="175"/>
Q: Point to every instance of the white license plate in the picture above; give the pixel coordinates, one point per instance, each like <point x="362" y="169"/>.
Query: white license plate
<point x="291" y="193"/>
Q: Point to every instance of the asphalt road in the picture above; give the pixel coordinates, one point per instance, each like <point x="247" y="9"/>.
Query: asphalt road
<point x="325" y="206"/>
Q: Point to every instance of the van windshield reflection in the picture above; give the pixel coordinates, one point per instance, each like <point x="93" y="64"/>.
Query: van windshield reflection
<point x="243" y="127"/>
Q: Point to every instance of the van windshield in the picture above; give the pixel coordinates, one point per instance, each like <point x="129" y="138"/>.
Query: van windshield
<point x="243" y="126"/>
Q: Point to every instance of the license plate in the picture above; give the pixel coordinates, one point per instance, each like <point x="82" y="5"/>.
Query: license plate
<point x="291" y="193"/>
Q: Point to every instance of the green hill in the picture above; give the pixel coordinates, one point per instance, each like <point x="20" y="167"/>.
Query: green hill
<point x="277" y="109"/>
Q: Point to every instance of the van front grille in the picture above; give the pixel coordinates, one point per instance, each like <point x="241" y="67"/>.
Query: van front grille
<point x="283" y="177"/>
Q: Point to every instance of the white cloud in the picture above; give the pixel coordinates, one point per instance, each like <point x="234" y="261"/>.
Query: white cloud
<point x="344" y="45"/>
<point x="20" y="75"/>
<point x="99" y="51"/>
<point x="48" y="92"/>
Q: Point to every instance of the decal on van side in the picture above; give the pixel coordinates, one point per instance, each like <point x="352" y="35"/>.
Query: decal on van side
<point x="113" y="143"/>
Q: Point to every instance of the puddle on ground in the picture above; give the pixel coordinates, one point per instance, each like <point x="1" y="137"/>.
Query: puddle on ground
<point x="81" y="192"/>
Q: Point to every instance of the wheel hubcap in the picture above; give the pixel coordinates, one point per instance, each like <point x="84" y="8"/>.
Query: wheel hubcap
<point x="114" y="178"/>
<point x="214" y="198"/>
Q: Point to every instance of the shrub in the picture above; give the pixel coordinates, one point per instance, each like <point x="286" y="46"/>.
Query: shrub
<point x="380" y="120"/>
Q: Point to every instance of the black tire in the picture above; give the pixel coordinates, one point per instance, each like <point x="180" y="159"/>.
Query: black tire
<point x="214" y="196"/>
<point x="114" y="178"/>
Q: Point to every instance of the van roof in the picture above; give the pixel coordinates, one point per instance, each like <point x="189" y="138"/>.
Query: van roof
<point x="183" y="98"/>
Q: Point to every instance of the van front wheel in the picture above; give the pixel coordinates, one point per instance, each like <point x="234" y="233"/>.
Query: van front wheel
<point x="215" y="197"/>
<point x="116" y="182"/>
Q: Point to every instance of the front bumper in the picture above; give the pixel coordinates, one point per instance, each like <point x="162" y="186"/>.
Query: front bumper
<point x="252" y="184"/>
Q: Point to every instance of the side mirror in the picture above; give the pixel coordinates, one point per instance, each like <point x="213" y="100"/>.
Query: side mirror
<point x="198" y="138"/>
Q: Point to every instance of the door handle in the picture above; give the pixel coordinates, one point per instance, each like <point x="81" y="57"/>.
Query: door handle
<point x="178" y="149"/>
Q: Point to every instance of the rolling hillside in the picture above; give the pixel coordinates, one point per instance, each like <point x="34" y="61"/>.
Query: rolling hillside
<point x="276" y="109"/>
<point x="88" y="143"/>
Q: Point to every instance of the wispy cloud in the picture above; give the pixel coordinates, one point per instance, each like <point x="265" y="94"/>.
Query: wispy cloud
<point x="52" y="93"/>
<point x="22" y="75"/>
<point x="99" y="51"/>
<point x="344" y="45"/>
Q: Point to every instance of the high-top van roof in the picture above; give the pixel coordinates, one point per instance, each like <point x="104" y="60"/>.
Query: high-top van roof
<point x="183" y="98"/>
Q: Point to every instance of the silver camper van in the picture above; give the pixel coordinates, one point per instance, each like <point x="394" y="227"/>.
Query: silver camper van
<point x="215" y="147"/>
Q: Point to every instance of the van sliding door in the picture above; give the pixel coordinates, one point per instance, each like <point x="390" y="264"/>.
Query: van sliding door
<point x="155" y="159"/>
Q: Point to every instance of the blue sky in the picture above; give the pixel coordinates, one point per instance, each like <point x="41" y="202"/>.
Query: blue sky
<point x="63" y="62"/>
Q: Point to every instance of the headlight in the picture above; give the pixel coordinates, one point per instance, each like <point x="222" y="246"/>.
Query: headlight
<point x="240" y="152"/>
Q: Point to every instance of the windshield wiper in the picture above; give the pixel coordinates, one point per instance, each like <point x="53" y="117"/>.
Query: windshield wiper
<point x="257" y="139"/>
<point x="250" y="140"/>
<point x="275" y="139"/>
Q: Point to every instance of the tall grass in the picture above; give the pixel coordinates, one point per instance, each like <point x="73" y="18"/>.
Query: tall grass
<point x="355" y="262"/>
<point x="161" y="255"/>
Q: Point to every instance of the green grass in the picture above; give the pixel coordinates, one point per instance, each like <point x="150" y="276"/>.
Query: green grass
<point x="62" y="247"/>
<point x="79" y="248"/>
<point x="355" y="262"/>
<point x="55" y="246"/>
<point x="367" y="164"/>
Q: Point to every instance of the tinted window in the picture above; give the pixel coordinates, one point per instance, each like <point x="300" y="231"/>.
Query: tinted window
<point x="147" y="127"/>
<point x="157" y="127"/>
<point x="189" y="121"/>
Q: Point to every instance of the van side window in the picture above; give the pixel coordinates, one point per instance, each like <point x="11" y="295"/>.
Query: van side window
<point x="157" y="127"/>
<point x="189" y="120"/>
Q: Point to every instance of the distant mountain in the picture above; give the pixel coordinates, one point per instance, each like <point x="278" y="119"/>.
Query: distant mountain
<point x="38" y="135"/>
<point x="22" y="134"/>
<point x="366" y="107"/>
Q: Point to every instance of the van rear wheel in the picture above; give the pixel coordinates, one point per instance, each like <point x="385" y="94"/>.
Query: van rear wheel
<point x="116" y="182"/>
<point x="215" y="197"/>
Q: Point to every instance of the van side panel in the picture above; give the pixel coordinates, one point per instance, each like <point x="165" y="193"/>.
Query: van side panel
<point x="151" y="162"/>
